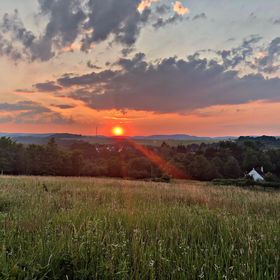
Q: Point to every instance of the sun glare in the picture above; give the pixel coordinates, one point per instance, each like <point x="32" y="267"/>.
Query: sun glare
<point x="118" y="131"/>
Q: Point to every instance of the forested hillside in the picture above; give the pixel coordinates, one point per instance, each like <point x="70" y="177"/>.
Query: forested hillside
<point x="124" y="159"/>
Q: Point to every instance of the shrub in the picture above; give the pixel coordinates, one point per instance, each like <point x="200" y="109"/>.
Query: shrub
<point x="269" y="177"/>
<point x="275" y="185"/>
<point x="164" y="179"/>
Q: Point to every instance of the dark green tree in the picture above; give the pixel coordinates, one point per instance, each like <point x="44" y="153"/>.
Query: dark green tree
<point x="232" y="168"/>
<point x="202" y="169"/>
<point x="139" y="168"/>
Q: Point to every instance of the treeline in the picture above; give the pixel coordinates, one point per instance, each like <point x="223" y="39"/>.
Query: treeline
<point x="202" y="162"/>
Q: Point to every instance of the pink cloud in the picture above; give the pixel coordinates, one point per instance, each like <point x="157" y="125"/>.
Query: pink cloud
<point x="179" y="8"/>
<point x="145" y="4"/>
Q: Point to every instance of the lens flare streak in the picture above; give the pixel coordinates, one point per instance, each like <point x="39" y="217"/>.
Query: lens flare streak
<point x="167" y="167"/>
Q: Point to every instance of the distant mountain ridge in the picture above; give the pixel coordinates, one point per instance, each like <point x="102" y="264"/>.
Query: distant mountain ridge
<point x="171" y="137"/>
<point x="160" y="137"/>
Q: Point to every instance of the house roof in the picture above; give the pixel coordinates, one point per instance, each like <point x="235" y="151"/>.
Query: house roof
<point x="256" y="176"/>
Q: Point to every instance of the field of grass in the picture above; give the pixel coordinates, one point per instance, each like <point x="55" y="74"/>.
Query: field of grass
<point x="82" y="228"/>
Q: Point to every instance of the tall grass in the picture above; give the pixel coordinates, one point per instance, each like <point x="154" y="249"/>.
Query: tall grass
<point x="58" y="228"/>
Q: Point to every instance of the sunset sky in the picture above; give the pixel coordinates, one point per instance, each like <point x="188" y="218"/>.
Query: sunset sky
<point x="200" y="67"/>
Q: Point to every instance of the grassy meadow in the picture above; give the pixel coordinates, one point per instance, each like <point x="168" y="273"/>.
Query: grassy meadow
<point x="88" y="228"/>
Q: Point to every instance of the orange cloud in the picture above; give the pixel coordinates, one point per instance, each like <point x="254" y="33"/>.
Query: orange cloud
<point x="71" y="48"/>
<point x="180" y="9"/>
<point x="145" y="4"/>
<point x="246" y="119"/>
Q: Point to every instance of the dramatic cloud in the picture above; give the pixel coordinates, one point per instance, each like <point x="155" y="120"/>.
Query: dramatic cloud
<point x="13" y="31"/>
<point x="120" y="19"/>
<point x="179" y="12"/>
<point x="47" y="87"/>
<point x="69" y="80"/>
<point x="145" y="4"/>
<point x="263" y="59"/>
<point x="93" y="66"/>
<point x="64" y="25"/>
<point x="7" y="49"/>
<point x="241" y="54"/>
<point x="63" y="106"/>
<point x="30" y="112"/>
<point x="171" y="20"/>
<point x="22" y="43"/>
<point x="21" y="106"/>
<point x="163" y="9"/>
<point x="129" y="64"/>
<point x="268" y="61"/>
<point x="79" y="25"/>
<point x="73" y="22"/>
<point x="14" y="24"/>
<point x="179" y="8"/>
<point x="169" y="85"/>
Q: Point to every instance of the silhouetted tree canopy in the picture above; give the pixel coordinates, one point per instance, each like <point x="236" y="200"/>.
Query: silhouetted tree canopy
<point x="226" y="159"/>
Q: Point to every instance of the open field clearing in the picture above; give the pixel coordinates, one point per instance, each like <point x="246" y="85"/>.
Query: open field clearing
<point x="82" y="228"/>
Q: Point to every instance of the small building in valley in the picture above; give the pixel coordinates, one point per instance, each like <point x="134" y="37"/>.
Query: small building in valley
<point x="255" y="175"/>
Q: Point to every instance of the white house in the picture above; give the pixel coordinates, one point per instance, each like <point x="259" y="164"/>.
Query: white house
<point x="255" y="175"/>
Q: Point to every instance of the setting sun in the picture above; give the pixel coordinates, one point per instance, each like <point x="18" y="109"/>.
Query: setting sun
<point x="118" y="131"/>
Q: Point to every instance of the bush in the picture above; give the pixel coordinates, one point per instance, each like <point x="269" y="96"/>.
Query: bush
<point x="275" y="185"/>
<point x="269" y="177"/>
<point x="164" y="179"/>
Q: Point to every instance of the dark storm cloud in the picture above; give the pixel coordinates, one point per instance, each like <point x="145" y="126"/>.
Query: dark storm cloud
<point x="30" y="112"/>
<point x="20" y="106"/>
<point x="22" y="43"/>
<point x="63" y="106"/>
<point x="163" y="9"/>
<point x="178" y="16"/>
<point x="93" y="66"/>
<point x="129" y="64"/>
<point x="14" y="24"/>
<point x="65" y="19"/>
<point x="267" y="62"/>
<point x="263" y="59"/>
<point x="127" y="50"/>
<point x="17" y="43"/>
<point x="88" y="79"/>
<point x="234" y="57"/>
<point x="169" y="85"/>
<point x="118" y="18"/>
<point x="47" y="87"/>
<point x="161" y="22"/>
<point x="90" y="21"/>
<point x="247" y="46"/>
<point x="7" y="49"/>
